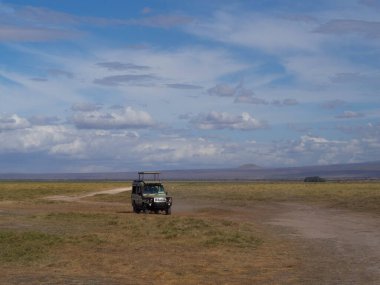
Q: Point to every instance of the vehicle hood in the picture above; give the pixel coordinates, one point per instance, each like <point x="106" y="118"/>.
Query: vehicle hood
<point x="153" y="195"/>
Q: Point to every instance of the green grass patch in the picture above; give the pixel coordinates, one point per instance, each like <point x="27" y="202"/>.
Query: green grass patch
<point x="211" y="232"/>
<point x="236" y="238"/>
<point x="192" y="231"/>
<point x="77" y="217"/>
<point x="25" y="247"/>
<point x="32" y="246"/>
<point x="86" y="240"/>
<point x="79" y="220"/>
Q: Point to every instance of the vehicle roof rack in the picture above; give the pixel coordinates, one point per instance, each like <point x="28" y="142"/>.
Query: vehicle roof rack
<point x="156" y="175"/>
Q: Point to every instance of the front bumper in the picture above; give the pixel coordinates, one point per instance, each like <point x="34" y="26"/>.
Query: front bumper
<point x="151" y="204"/>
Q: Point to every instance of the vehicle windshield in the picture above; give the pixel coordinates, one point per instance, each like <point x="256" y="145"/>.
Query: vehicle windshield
<point x="154" y="189"/>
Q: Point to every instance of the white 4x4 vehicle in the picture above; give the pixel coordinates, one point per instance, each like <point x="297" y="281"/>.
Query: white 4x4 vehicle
<point x="150" y="195"/>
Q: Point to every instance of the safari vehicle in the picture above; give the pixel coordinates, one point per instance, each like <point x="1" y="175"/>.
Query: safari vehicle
<point x="150" y="195"/>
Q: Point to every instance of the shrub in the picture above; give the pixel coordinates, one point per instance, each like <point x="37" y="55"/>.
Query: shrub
<point x="314" y="179"/>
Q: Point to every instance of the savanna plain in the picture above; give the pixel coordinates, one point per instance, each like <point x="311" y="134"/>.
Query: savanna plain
<point x="218" y="233"/>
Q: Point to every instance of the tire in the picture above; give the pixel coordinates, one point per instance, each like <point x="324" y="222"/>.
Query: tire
<point x="168" y="211"/>
<point x="135" y="208"/>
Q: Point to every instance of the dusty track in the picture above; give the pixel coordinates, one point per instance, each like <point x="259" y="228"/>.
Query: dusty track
<point x="78" y="198"/>
<point x="339" y="246"/>
<point x="334" y="246"/>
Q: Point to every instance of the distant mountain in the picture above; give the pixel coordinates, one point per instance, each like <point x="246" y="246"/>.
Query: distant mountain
<point x="368" y="170"/>
<point x="249" y="166"/>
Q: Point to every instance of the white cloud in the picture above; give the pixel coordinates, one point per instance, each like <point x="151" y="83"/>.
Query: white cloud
<point x="216" y="120"/>
<point x="121" y="66"/>
<point x="23" y="23"/>
<point x="194" y="64"/>
<point x="44" y="120"/>
<point x="309" y="59"/>
<point x="333" y="104"/>
<point x="249" y="99"/>
<point x="178" y="150"/>
<point x="285" y="102"/>
<point x="311" y="143"/>
<point x="85" y="107"/>
<point x="312" y="150"/>
<point x="184" y="86"/>
<point x="115" y="148"/>
<point x="115" y="119"/>
<point x="371" y="3"/>
<point x="222" y="90"/>
<point x="13" y="122"/>
<point x="257" y="31"/>
<point x="350" y="115"/>
<point x="34" y="138"/>
<point x="28" y="34"/>
<point x="74" y="148"/>
<point x="348" y="26"/>
<point x="116" y="80"/>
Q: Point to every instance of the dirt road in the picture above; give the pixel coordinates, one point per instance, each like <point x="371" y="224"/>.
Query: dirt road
<point x="79" y="197"/>
<point x="338" y="246"/>
<point x="334" y="246"/>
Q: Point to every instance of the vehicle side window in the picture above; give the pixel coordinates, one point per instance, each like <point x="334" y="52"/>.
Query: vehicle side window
<point x="139" y="190"/>
<point x="134" y="189"/>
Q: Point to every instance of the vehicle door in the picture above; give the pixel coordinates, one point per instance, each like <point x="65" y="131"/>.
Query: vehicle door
<point x="138" y="197"/>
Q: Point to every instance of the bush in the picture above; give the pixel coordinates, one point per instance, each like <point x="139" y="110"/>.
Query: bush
<point x="314" y="179"/>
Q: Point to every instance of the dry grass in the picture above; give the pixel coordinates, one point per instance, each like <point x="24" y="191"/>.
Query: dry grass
<point x="124" y="247"/>
<point x="25" y="247"/>
<point x="28" y="191"/>
<point x="100" y="240"/>
<point x="361" y="196"/>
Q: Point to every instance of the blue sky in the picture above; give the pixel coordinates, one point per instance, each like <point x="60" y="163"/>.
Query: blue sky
<point x="91" y="86"/>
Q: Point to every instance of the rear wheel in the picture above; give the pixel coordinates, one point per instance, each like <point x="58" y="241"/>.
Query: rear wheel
<point x="168" y="211"/>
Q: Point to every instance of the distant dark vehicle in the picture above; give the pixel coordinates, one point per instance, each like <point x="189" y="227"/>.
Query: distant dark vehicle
<point x="150" y="195"/>
<point x="314" y="179"/>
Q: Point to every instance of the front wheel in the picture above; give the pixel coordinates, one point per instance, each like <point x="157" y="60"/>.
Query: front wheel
<point x="145" y="209"/>
<point x="168" y="211"/>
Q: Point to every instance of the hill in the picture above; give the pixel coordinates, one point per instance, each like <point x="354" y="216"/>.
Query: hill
<point x="249" y="166"/>
<point x="368" y="170"/>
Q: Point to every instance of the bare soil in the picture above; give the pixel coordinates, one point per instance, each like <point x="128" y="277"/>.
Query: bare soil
<point x="337" y="246"/>
<point x="333" y="246"/>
